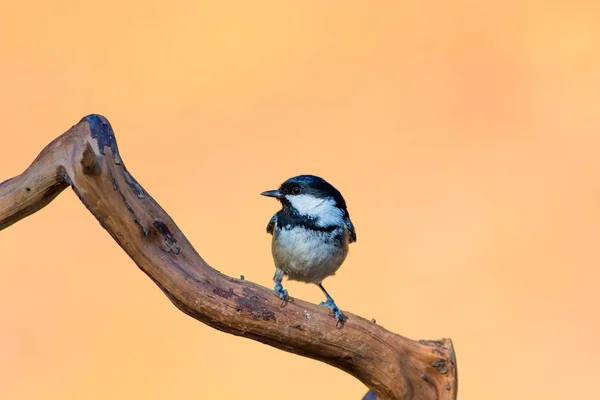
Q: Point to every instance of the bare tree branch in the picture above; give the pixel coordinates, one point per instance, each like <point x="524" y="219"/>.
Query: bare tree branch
<point x="87" y="159"/>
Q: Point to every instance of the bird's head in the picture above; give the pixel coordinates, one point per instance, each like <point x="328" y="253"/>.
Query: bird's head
<point x="311" y="196"/>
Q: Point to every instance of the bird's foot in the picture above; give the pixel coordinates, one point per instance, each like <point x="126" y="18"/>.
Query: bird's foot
<point x="340" y="318"/>
<point x="282" y="293"/>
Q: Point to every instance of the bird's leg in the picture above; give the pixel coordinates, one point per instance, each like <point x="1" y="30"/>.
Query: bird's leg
<point x="279" y="290"/>
<point x="339" y="315"/>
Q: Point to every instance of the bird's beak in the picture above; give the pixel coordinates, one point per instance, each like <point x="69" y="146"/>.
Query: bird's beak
<point x="272" y="193"/>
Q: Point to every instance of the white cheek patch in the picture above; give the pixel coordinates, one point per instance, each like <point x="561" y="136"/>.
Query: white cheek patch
<point x="324" y="210"/>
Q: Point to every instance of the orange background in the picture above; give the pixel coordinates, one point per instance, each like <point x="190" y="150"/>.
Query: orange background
<point x="463" y="135"/>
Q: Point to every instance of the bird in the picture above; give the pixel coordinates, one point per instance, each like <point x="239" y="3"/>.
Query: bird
<point x="311" y="234"/>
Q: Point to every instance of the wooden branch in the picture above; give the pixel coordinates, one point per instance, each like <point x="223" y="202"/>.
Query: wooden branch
<point x="87" y="159"/>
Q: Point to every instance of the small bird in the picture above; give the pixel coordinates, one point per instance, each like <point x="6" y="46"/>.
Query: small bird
<point x="311" y="234"/>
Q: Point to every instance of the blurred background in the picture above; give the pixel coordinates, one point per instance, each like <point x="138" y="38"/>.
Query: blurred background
<point x="464" y="136"/>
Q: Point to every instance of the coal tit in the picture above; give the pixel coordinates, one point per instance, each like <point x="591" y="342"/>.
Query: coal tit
<point x="311" y="234"/>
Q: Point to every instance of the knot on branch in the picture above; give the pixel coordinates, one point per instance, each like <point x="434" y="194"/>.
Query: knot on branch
<point x="169" y="243"/>
<point x="89" y="161"/>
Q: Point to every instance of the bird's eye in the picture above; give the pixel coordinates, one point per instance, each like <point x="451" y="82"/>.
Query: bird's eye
<point x="296" y="190"/>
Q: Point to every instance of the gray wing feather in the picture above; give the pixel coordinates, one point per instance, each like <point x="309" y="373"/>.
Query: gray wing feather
<point x="350" y="229"/>
<point x="272" y="221"/>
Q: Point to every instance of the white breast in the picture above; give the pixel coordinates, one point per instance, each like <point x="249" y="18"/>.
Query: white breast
<point x="307" y="255"/>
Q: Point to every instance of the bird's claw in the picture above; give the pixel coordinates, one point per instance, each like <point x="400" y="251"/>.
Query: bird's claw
<point x="282" y="293"/>
<point x="340" y="318"/>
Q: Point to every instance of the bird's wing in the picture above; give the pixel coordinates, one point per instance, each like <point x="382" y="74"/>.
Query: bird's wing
<point x="271" y="224"/>
<point x="351" y="229"/>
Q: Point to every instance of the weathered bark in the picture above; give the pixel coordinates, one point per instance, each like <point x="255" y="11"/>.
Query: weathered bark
<point x="87" y="159"/>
